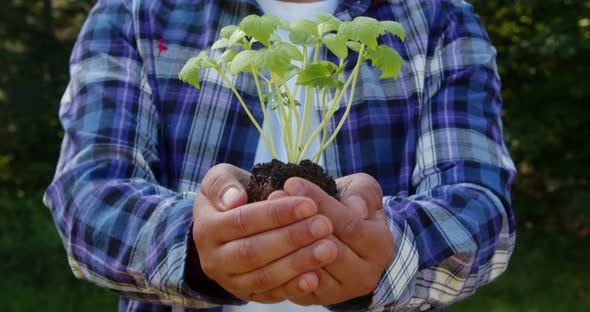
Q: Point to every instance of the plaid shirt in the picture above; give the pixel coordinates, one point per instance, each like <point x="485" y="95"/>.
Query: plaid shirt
<point x="138" y="142"/>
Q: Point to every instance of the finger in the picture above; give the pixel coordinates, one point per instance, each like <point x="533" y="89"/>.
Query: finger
<point x="329" y="291"/>
<point x="375" y="230"/>
<point x="345" y="278"/>
<point x="350" y="269"/>
<point x="258" y="250"/>
<point x="262" y="216"/>
<point x="276" y="195"/>
<point x="299" y="286"/>
<point x="306" y="259"/>
<point x="348" y="226"/>
<point x="224" y="186"/>
<point x="360" y="192"/>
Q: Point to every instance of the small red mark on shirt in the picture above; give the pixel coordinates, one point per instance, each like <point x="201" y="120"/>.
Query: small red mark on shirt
<point x="161" y="47"/>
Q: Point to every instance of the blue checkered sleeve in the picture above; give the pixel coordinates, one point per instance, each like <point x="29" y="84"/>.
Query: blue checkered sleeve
<point x="121" y="229"/>
<point x="457" y="232"/>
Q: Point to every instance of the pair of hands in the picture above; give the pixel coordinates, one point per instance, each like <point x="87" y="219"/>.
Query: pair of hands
<point x="300" y="245"/>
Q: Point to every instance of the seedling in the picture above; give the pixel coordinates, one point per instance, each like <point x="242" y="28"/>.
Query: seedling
<point x="254" y="48"/>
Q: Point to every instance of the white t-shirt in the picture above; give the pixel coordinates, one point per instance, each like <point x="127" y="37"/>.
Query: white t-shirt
<point x="290" y="12"/>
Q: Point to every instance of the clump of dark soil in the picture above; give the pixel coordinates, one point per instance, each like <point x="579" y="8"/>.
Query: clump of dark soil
<point x="271" y="176"/>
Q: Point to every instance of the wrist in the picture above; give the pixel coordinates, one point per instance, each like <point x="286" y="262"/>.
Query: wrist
<point x="197" y="280"/>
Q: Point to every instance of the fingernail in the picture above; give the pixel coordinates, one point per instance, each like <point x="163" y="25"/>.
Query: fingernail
<point x="230" y="196"/>
<point x="358" y="205"/>
<point x="322" y="252"/>
<point x="296" y="187"/>
<point x="303" y="211"/>
<point x="276" y="195"/>
<point x="319" y="228"/>
<point x="304" y="285"/>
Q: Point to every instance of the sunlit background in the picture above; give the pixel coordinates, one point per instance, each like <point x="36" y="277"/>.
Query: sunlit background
<point x="544" y="60"/>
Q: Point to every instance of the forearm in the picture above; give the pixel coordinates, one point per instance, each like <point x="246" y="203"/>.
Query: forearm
<point x="449" y="242"/>
<point x="122" y="230"/>
<point x="456" y="232"/>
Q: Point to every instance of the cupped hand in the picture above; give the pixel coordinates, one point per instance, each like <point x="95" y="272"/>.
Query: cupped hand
<point x="266" y="251"/>
<point x="361" y="234"/>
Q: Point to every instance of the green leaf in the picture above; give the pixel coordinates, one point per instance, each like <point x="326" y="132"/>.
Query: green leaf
<point x="305" y="26"/>
<point x="289" y="49"/>
<point x="190" y="71"/>
<point x="273" y="100"/>
<point x="303" y="39"/>
<point x="220" y="44"/>
<point x="320" y="75"/>
<point x="386" y="59"/>
<point x="327" y="23"/>
<point x="275" y="38"/>
<point x="237" y="36"/>
<point x="266" y="97"/>
<point x="232" y="41"/>
<point x="329" y="65"/>
<point x="336" y="45"/>
<point x="363" y="29"/>
<point x="227" y="56"/>
<point x="303" y="32"/>
<point x="354" y="46"/>
<point x="274" y="103"/>
<point x="260" y="27"/>
<point x="243" y="60"/>
<point x="278" y="58"/>
<point x="324" y="17"/>
<point x="292" y="71"/>
<point x="284" y="24"/>
<point x="395" y="28"/>
<point x="274" y="60"/>
<point x="227" y="31"/>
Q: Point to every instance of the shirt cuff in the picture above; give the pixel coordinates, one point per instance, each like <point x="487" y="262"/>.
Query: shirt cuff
<point x="166" y="257"/>
<point x="197" y="281"/>
<point x="397" y="282"/>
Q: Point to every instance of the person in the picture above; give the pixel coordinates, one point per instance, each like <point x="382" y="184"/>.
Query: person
<point x="148" y="195"/>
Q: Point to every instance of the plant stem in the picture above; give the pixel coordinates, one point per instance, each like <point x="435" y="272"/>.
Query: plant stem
<point x="301" y="126"/>
<point x="307" y="113"/>
<point x="237" y="94"/>
<point x="287" y="121"/>
<point x="325" y="128"/>
<point x="316" y="52"/>
<point x="351" y="79"/>
<point x="328" y="115"/>
<point x="307" y="108"/>
<point x="272" y="150"/>
<point x="348" y="105"/>
<point x="293" y="108"/>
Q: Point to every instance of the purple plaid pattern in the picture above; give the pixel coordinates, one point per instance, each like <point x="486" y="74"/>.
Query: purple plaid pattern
<point x="138" y="142"/>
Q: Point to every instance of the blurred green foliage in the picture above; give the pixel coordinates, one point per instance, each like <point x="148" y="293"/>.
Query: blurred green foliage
<point x="543" y="49"/>
<point x="34" y="268"/>
<point x="543" y="56"/>
<point x="36" y="40"/>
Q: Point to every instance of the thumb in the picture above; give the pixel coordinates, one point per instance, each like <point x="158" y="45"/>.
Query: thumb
<point x="224" y="186"/>
<point x="361" y="193"/>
